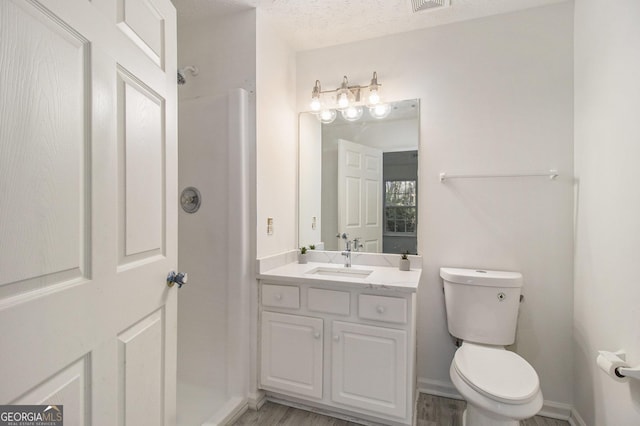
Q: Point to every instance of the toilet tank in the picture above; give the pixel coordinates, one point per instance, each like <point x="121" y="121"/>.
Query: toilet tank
<point x="482" y="305"/>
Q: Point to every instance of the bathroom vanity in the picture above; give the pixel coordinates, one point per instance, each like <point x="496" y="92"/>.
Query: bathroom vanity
<point x="341" y="339"/>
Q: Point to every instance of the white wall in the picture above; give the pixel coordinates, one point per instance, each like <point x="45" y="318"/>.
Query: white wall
<point x="607" y="151"/>
<point x="496" y="96"/>
<point x="224" y="51"/>
<point x="277" y="141"/>
<point x="310" y="180"/>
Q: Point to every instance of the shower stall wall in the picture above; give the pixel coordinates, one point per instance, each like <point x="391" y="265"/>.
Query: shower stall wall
<point x="214" y="247"/>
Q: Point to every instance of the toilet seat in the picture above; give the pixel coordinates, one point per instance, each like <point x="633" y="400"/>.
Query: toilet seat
<point x="496" y="373"/>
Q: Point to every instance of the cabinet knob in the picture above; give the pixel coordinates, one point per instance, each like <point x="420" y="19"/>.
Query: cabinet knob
<point x="278" y="296"/>
<point x="380" y="309"/>
<point x="336" y="337"/>
<point x="316" y="335"/>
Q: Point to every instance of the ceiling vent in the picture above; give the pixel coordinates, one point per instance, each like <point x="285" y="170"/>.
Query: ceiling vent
<point x="420" y="5"/>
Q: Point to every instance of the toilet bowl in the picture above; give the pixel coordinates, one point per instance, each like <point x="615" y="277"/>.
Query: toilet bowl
<point x="500" y="387"/>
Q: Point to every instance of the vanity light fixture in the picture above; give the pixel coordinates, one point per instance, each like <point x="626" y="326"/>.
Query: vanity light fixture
<point x="347" y="99"/>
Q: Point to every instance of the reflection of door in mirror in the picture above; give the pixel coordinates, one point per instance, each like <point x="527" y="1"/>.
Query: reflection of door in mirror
<point x="360" y="194"/>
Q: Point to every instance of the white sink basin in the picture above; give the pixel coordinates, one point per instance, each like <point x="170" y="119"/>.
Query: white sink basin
<point x="340" y="272"/>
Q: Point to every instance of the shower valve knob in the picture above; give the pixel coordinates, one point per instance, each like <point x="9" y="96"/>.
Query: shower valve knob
<point x="179" y="278"/>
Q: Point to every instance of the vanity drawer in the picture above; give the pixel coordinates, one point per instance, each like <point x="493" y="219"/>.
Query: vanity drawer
<point x="281" y="296"/>
<point x="329" y="301"/>
<point x="382" y="308"/>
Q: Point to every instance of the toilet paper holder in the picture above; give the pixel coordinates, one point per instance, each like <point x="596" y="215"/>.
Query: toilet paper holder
<point x="621" y="368"/>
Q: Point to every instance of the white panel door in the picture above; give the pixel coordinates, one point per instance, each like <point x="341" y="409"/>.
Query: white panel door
<point x="88" y="208"/>
<point x="360" y="194"/>
<point x="369" y="368"/>
<point x="291" y="354"/>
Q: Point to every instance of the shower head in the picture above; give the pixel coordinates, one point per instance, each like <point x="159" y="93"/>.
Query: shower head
<point x="181" y="73"/>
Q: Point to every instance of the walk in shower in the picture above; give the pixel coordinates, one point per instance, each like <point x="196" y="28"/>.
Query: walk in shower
<point x="214" y="248"/>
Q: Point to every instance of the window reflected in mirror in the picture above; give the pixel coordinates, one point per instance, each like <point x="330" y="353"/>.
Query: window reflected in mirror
<point x="400" y="207"/>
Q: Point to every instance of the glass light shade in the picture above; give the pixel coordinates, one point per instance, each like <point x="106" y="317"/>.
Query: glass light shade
<point x="315" y="104"/>
<point x="315" y="97"/>
<point x="374" y="96"/>
<point x="352" y="113"/>
<point x="327" y="116"/>
<point x="380" y="110"/>
<point x="342" y="99"/>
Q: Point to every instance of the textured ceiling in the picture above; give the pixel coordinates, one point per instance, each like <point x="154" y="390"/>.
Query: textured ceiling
<point x="310" y="24"/>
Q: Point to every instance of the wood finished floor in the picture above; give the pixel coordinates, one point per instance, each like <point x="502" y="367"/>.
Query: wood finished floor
<point x="432" y="411"/>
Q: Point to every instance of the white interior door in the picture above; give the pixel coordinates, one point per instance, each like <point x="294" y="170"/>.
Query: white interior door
<point x="360" y="194"/>
<point x="88" y="205"/>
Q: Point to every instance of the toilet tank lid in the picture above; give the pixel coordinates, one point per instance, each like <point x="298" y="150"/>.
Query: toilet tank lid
<point x="482" y="277"/>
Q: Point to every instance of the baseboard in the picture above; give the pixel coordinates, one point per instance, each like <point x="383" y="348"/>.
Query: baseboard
<point x="438" y="388"/>
<point x="576" y="419"/>
<point x="551" y="409"/>
<point x="229" y="412"/>
<point x="555" y="410"/>
<point x="257" y="400"/>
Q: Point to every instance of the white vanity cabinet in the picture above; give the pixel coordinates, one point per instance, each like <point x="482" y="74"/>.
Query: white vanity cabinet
<point x="369" y="368"/>
<point x="292" y="353"/>
<point x="339" y="347"/>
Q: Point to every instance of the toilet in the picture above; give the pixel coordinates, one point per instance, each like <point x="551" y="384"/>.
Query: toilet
<point x="500" y="386"/>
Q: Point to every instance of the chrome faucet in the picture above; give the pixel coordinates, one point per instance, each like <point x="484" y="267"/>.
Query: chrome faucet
<point x="347" y="249"/>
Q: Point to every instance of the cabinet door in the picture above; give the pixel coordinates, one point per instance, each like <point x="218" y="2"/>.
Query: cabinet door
<point x="292" y="354"/>
<point x="369" y="368"/>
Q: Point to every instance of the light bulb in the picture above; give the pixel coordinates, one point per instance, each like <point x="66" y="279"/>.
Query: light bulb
<point x="343" y="100"/>
<point x="315" y="104"/>
<point x="374" y="91"/>
<point x="374" y="97"/>
<point x="327" y="116"/>
<point x="315" y="97"/>
<point x="352" y="113"/>
<point x="344" y="97"/>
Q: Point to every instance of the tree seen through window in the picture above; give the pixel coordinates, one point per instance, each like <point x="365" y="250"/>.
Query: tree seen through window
<point x="400" y="206"/>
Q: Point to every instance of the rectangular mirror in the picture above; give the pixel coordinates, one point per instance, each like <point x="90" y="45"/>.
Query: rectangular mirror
<point x="360" y="177"/>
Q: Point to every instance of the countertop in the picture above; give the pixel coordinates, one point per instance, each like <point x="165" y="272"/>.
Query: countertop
<point x="381" y="277"/>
